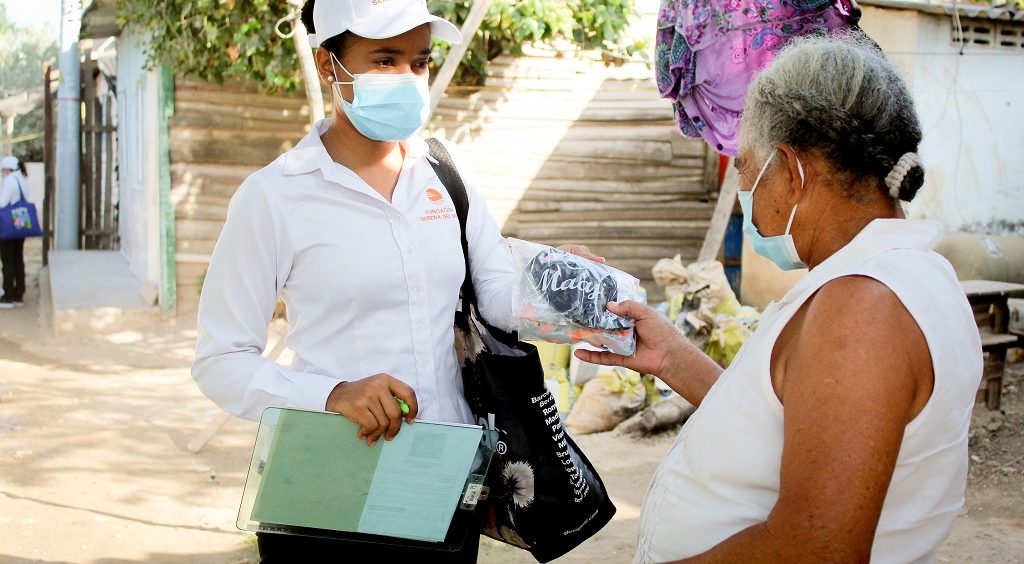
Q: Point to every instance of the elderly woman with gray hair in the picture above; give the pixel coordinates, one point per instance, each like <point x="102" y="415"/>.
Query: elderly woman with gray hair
<point x="839" y="433"/>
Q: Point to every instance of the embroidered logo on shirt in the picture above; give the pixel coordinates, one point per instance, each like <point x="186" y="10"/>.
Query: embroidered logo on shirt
<point x="441" y="211"/>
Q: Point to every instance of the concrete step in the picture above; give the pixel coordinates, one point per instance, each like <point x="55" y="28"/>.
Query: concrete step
<point x="96" y="292"/>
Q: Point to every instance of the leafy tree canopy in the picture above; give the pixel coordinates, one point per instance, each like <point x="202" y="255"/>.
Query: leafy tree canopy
<point x="226" y="39"/>
<point x="23" y="53"/>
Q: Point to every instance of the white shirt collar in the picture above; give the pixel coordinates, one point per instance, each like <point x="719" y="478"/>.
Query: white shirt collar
<point x="309" y="153"/>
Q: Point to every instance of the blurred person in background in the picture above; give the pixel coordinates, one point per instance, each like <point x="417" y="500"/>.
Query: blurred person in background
<point x="12" y="252"/>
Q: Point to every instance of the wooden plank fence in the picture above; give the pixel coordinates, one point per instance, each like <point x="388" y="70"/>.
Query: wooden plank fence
<point x="218" y="136"/>
<point x="563" y="150"/>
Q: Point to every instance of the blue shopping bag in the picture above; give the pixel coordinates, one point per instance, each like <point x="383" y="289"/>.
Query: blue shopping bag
<point x="20" y="219"/>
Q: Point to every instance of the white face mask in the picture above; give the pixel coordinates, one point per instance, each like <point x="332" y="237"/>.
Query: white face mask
<point x="780" y="249"/>
<point x="385" y="106"/>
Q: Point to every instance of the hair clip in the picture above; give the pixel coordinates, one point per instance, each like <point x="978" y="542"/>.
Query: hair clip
<point x="895" y="177"/>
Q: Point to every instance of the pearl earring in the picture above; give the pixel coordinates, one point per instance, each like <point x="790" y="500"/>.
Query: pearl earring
<point x="330" y="78"/>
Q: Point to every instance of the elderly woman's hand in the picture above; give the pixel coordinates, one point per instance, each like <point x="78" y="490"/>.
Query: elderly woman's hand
<point x="661" y="350"/>
<point x="656" y="340"/>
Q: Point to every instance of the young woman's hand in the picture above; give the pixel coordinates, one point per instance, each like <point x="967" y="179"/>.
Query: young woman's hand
<point x="371" y="404"/>
<point x="581" y="251"/>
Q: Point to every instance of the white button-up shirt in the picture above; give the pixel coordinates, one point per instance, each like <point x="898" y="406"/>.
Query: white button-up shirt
<point x="370" y="286"/>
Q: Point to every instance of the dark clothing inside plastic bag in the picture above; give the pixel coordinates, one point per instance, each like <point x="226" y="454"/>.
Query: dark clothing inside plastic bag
<point x="563" y="298"/>
<point x="576" y="288"/>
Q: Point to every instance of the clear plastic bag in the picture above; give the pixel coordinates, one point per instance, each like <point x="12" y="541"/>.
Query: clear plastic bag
<point x="563" y="298"/>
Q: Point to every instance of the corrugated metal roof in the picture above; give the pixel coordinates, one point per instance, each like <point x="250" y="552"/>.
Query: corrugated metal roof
<point x="1006" y="12"/>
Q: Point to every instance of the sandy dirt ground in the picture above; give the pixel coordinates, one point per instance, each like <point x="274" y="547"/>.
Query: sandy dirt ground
<point x="94" y="465"/>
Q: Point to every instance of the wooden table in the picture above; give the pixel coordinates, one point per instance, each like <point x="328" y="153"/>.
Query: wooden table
<point x="995" y="334"/>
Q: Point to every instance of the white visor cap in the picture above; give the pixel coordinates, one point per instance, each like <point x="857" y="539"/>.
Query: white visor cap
<point x="377" y="19"/>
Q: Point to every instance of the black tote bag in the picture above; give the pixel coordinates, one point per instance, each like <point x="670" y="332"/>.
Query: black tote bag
<point x="544" y="495"/>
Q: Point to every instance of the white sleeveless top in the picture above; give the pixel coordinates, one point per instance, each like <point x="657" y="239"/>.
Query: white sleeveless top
<point x="722" y="474"/>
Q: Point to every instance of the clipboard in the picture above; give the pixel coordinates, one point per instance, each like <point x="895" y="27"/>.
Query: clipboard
<point x="310" y="475"/>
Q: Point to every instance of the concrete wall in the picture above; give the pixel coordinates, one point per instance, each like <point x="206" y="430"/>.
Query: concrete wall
<point x="971" y="109"/>
<point x="34" y="187"/>
<point x="138" y="159"/>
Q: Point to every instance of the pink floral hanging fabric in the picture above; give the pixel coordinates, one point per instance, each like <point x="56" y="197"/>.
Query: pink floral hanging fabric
<point x="708" y="51"/>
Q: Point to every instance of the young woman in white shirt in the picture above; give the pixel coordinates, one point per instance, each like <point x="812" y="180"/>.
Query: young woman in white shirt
<point x="12" y="253"/>
<point x="353" y="229"/>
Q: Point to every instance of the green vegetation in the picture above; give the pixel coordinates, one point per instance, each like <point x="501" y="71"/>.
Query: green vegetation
<point x="218" y="40"/>
<point x="23" y="53"/>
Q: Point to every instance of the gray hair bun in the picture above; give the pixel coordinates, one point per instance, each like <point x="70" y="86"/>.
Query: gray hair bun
<point x="902" y="184"/>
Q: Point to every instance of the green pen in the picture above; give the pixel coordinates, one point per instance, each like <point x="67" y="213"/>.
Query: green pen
<point x="404" y="406"/>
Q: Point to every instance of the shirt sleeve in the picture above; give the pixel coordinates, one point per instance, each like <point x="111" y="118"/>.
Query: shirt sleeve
<point x="9" y="191"/>
<point x="248" y="269"/>
<point x="490" y="258"/>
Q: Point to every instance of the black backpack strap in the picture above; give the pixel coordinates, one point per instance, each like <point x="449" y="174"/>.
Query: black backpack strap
<point x="449" y="175"/>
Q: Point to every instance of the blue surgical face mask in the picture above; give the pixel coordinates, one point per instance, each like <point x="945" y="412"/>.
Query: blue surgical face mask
<point x="385" y="107"/>
<point x="780" y="249"/>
